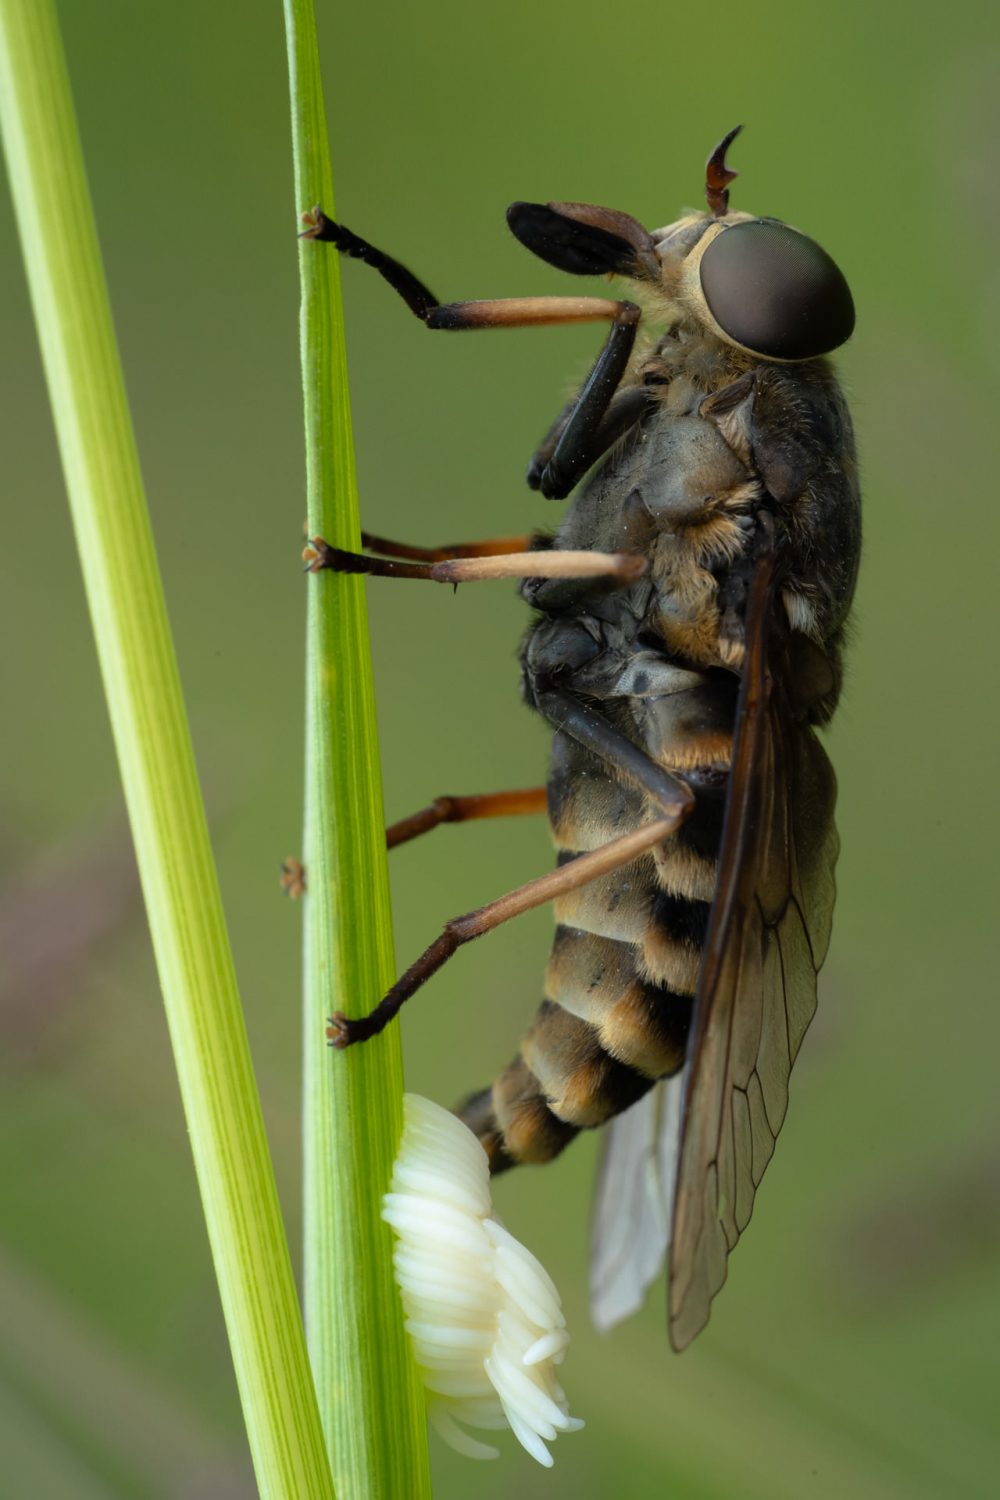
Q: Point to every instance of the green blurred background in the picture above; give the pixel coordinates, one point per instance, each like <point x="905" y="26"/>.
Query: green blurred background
<point x="854" y="1351"/>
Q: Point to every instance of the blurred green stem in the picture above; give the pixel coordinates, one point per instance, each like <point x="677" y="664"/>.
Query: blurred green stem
<point x="369" y="1394"/>
<point x="137" y="661"/>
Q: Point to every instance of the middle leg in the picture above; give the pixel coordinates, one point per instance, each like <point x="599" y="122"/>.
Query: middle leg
<point x="620" y="567"/>
<point x="492" y="547"/>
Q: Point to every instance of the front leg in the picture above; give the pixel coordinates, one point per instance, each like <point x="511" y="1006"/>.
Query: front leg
<point x="573" y="444"/>
<point x="582" y="435"/>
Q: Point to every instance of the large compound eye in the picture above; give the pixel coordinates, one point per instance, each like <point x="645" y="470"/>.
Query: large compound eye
<point x="776" y="292"/>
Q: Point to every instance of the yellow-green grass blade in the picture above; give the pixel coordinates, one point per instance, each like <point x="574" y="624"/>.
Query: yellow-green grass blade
<point x="151" y="735"/>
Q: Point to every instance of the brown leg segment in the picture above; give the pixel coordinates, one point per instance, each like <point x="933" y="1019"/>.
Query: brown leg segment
<point x="623" y="567"/>
<point x="492" y="547"/>
<point x="464" y="809"/>
<point x="531" y="312"/>
<point x="579" y="443"/>
<point x="343" y="1032"/>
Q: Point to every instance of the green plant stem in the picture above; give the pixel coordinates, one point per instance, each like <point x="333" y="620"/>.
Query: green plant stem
<point x="154" y="751"/>
<point x="366" y="1379"/>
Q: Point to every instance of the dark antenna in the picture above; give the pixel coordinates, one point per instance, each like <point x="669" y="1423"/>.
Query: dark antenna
<point x="718" y="175"/>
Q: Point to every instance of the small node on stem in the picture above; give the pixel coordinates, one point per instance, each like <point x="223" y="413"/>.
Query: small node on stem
<point x="293" y="878"/>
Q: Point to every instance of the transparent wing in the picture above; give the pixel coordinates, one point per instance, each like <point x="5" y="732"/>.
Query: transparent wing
<point x="767" y="938"/>
<point x="633" y="1202"/>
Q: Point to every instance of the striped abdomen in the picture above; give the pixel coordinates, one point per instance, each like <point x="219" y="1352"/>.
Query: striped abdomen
<point x="623" y="972"/>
